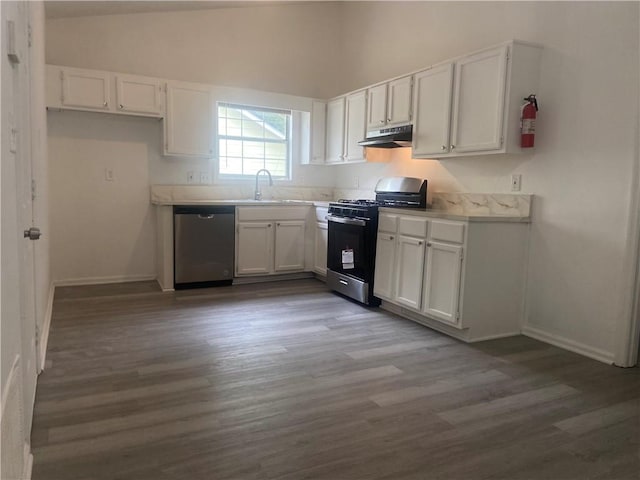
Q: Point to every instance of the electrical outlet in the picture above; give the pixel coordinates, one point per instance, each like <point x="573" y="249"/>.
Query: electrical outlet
<point x="108" y="175"/>
<point x="516" y="182"/>
<point x="204" y="178"/>
<point x="191" y="177"/>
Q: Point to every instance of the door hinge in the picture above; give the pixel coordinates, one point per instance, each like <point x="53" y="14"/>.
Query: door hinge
<point x="501" y="140"/>
<point x="29" y="34"/>
<point x="457" y="315"/>
<point x="33" y="189"/>
<point x="461" y="255"/>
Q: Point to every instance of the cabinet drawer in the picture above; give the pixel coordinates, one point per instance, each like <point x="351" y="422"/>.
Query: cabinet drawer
<point x="387" y="223"/>
<point x="413" y="226"/>
<point x="244" y="214"/>
<point x="447" y="231"/>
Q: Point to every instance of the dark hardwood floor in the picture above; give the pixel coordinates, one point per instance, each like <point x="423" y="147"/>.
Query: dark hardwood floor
<point x="287" y="380"/>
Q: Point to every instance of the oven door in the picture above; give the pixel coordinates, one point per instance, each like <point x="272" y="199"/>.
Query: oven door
<point x="350" y="249"/>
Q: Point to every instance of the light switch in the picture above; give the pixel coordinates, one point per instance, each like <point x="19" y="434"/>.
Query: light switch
<point x="516" y="182"/>
<point x="108" y="175"/>
<point x="204" y="178"/>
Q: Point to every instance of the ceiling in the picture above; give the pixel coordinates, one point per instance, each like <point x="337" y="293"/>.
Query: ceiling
<point x="61" y="9"/>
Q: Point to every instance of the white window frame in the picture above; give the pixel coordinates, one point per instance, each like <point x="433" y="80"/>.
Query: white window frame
<point x="289" y="141"/>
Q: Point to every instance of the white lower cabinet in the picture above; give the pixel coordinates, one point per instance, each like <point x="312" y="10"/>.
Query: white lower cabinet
<point x="442" y="281"/>
<point x="410" y="264"/>
<point x="463" y="278"/>
<point x="254" y="248"/>
<point x="270" y="240"/>
<point x="385" y="266"/>
<point x="321" y="241"/>
<point x="289" y="246"/>
<point x="400" y="259"/>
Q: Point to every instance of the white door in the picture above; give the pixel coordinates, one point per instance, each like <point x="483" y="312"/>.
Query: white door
<point x="410" y="266"/>
<point x="189" y="120"/>
<point x="322" y="239"/>
<point x="399" y="101"/>
<point x="432" y="110"/>
<point x="385" y="266"/>
<point x="289" y="246"/>
<point x="19" y="373"/>
<point x="442" y="281"/>
<point x="377" y="106"/>
<point x="140" y="95"/>
<point x="478" y="106"/>
<point x="355" y="129"/>
<point x="335" y="130"/>
<point x="254" y="248"/>
<point x="85" y="89"/>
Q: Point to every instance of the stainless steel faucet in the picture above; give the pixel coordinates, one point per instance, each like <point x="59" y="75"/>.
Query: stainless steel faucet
<point x="258" y="195"/>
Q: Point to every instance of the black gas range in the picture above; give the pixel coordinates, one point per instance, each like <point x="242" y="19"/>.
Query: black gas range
<point x="353" y="227"/>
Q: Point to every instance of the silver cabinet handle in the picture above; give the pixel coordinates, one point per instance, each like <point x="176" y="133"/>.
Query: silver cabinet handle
<point x="278" y="224"/>
<point x="443" y="147"/>
<point x="391" y="237"/>
<point x="388" y="119"/>
<point x="428" y="244"/>
<point x="121" y="106"/>
<point x="381" y="121"/>
<point x="452" y="147"/>
<point x="269" y="225"/>
<point x="105" y="104"/>
<point x="419" y="242"/>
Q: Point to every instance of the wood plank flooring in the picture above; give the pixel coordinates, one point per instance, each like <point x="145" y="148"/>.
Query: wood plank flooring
<point x="287" y="380"/>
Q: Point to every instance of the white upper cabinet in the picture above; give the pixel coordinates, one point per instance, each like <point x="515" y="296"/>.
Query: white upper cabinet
<point x="478" y="101"/>
<point x="87" y="89"/>
<point x="189" y="120"/>
<point x="139" y="95"/>
<point x="389" y="103"/>
<point x="399" y="109"/>
<point x="318" y="133"/>
<point x="335" y="130"/>
<point x="377" y="107"/>
<point x="355" y="128"/>
<point x="432" y="107"/>
<point x="472" y="106"/>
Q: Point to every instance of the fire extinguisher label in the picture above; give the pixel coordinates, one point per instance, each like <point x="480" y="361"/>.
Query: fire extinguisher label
<point x="528" y="126"/>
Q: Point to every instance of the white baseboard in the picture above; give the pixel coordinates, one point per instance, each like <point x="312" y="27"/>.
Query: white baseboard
<point x="46" y="326"/>
<point x="72" y="282"/>
<point x="495" y="337"/>
<point x="567" y="344"/>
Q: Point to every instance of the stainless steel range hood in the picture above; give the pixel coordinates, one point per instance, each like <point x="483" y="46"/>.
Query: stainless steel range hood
<point x="392" y="137"/>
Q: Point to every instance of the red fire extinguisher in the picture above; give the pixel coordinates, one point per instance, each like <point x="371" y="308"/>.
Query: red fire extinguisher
<point x="528" y="121"/>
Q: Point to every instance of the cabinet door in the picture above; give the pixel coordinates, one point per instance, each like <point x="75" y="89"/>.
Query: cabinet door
<point x="85" y="89"/>
<point x="355" y="129"/>
<point x="442" y="282"/>
<point x="385" y="266"/>
<point x="320" y="259"/>
<point x="139" y="94"/>
<point x="254" y="248"/>
<point x="410" y="265"/>
<point x="289" y="246"/>
<point x="188" y="123"/>
<point x="432" y="110"/>
<point x="399" y="101"/>
<point x="335" y="130"/>
<point x="318" y="133"/>
<point x="478" y="107"/>
<point x="377" y="106"/>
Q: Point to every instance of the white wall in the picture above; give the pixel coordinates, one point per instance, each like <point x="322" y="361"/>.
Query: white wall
<point x="291" y="49"/>
<point x="581" y="172"/>
<point x="587" y="130"/>
<point x="101" y="230"/>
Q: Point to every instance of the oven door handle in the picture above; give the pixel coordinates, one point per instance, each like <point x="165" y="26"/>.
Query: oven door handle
<point x="348" y="221"/>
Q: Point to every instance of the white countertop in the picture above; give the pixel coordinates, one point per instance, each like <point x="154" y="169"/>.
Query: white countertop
<point x="452" y="216"/>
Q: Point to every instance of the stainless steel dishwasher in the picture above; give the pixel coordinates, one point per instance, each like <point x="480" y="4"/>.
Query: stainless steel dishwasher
<point x="204" y="242"/>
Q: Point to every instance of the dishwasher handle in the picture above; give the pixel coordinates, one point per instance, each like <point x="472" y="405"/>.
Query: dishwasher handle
<point x="207" y="216"/>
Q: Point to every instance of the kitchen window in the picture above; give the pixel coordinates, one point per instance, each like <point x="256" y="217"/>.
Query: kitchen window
<point x="251" y="138"/>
